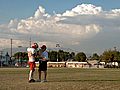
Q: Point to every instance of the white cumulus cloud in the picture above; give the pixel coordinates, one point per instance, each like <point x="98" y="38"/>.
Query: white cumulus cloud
<point x="40" y="13"/>
<point x="71" y="28"/>
<point x="83" y="9"/>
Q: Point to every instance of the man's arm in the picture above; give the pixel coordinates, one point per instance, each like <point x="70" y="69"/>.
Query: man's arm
<point x="44" y="57"/>
<point x="29" y="54"/>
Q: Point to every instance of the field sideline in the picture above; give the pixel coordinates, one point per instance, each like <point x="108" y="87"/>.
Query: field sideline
<point x="61" y="79"/>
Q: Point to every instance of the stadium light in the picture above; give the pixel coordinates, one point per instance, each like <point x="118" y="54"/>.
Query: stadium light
<point x="57" y="46"/>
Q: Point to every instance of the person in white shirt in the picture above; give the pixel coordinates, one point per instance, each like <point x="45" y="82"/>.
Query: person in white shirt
<point x="43" y="63"/>
<point x="31" y="55"/>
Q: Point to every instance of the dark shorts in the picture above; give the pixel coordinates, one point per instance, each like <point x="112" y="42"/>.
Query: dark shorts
<point x="42" y="65"/>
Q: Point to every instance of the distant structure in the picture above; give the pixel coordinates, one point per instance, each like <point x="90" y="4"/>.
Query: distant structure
<point x="4" y="59"/>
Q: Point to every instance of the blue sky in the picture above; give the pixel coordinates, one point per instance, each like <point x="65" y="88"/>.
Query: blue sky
<point x="91" y="26"/>
<point x="10" y="9"/>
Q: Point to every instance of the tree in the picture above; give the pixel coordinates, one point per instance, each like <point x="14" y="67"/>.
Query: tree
<point x="72" y="55"/>
<point x="95" y="56"/>
<point x="108" y="56"/>
<point x="21" y="57"/>
<point x="61" y="55"/>
<point x="81" y="57"/>
<point x="52" y="56"/>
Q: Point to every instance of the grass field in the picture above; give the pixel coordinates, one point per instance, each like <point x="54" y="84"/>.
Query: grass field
<point x="61" y="79"/>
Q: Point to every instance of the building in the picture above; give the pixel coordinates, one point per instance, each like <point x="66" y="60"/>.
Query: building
<point x="91" y="64"/>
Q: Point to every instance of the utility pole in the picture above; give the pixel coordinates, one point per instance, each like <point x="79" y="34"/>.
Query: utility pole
<point x="1" y="58"/>
<point x="11" y="51"/>
<point x="20" y="56"/>
<point x="11" y="47"/>
<point x="57" y="46"/>
<point x="30" y="41"/>
<point x="116" y="56"/>
<point x="115" y="48"/>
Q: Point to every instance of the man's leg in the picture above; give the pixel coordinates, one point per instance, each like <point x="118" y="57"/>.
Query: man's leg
<point x="45" y="75"/>
<point x="32" y="69"/>
<point x="39" y="77"/>
<point x="30" y="75"/>
<point x="39" y="72"/>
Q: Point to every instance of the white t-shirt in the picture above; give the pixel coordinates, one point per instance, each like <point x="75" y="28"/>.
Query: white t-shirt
<point x="31" y="51"/>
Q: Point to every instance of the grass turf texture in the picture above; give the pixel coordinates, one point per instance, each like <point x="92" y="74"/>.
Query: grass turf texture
<point x="61" y="79"/>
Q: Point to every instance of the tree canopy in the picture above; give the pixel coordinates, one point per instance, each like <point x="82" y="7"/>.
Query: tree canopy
<point x="81" y="57"/>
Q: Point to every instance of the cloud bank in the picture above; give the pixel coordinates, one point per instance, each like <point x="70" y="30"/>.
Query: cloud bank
<point x="81" y="28"/>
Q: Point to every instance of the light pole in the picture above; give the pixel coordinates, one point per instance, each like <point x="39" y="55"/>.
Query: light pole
<point x="19" y="58"/>
<point x="57" y="46"/>
<point x="1" y="58"/>
<point x="11" y="51"/>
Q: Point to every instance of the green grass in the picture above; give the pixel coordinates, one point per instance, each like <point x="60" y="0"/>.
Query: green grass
<point x="61" y="79"/>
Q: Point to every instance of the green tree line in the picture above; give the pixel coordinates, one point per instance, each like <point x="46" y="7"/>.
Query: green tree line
<point x="61" y="55"/>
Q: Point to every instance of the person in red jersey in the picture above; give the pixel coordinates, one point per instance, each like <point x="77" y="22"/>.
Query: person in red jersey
<point x="31" y="55"/>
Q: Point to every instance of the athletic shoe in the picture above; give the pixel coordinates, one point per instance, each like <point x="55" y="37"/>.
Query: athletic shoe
<point x="32" y="80"/>
<point x="44" y="81"/>
<point x="38" y="80"/>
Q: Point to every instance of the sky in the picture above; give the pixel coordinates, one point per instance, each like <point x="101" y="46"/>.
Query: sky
<point x="89" y="26"/>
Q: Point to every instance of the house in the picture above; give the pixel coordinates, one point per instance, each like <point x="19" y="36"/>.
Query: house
<point x="96" y="64"/>
<point x="56" y="64"/>
<point x="90" y="64"/>
<point x="77" y="64"/>
<point x="69" y="64"/>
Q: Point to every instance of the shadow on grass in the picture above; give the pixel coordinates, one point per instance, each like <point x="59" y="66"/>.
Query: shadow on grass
<point x="78" y="80"/>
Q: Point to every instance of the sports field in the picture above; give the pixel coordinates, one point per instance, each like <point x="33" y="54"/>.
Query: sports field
<point x="61" y="79"/>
